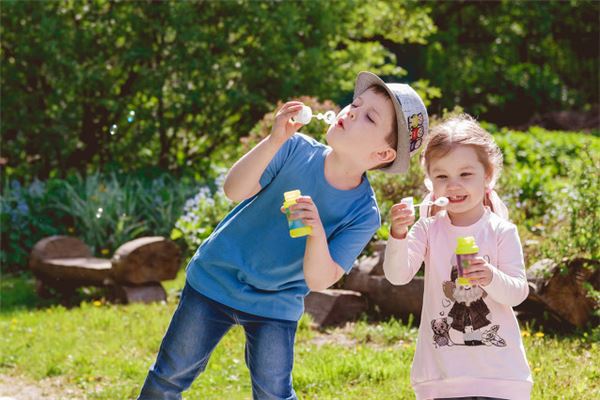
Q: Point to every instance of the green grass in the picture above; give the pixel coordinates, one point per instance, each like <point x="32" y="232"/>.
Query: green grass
<point x="105" y="350"/>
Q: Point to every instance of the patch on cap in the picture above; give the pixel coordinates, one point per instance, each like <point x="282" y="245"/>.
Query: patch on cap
<point x="416" y="130"/>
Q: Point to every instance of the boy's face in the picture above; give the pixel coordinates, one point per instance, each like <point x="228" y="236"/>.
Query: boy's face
<point x="361" y="129"/>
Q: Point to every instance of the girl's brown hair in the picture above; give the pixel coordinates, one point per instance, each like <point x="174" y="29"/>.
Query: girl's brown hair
<point x="464" y="130"/>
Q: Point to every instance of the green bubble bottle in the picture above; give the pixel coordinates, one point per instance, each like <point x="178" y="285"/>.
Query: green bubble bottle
<point x="466" y="250"/>
<point x="297" y="228"/>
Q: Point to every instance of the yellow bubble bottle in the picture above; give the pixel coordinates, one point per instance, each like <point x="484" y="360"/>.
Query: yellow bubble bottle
<point x="297" y="228"/>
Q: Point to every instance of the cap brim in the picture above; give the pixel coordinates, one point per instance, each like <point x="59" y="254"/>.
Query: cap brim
<point x="365" y="80"/>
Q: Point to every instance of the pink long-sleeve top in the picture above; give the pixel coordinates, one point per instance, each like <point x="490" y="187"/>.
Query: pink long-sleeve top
<point x="469" y="344"/>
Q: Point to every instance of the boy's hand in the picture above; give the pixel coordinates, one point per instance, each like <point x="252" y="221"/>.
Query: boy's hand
<point x="283" y="127"/>
<point x="479" y="272"/>
<point x="306" y="210"/>
<point x="401" y="218"/>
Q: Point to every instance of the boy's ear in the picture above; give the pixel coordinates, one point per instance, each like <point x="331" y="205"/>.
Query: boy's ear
<point x="385" y="156"/>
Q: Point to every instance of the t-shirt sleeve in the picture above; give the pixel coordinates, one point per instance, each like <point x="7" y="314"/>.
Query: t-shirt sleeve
<point x="346" y="246"/>
<point x="279" y="159"/>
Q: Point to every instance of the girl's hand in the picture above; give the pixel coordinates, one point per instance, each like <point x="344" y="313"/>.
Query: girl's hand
<point x="479" y="272"/>
<point x="306" y="210"/>
<point x="402" y="217"/>
<point x="283" y="127"/>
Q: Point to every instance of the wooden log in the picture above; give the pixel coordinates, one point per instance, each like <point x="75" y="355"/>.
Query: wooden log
<point x="561" y="289"/>
<point x="373" y="264"/>
<point x="145" y="260"/>
<point x="65" y="262"/>
<point x="147" y="293"/>
<point x="334" y="306"/>
<point x="391" y="300"/>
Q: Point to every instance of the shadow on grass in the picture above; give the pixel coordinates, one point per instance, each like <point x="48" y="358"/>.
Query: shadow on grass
<point x="18" y="292"/>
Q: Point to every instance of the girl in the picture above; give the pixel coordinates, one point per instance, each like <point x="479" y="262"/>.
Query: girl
<point x="469" y="344"/>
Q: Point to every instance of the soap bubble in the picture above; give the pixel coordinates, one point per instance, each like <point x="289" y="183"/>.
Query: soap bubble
<point x="113" y="129"/>
<point x="131" y="116"/>
<point x="99" y="212"/>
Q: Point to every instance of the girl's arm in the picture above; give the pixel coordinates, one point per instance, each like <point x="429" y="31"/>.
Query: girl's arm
<point x="403" y="257"/>
<point x="509" y="282"/>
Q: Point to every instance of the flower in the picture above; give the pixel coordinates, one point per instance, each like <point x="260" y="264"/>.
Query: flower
<point x="539" y="334"/>
<point x="97" y="303"/>
<point x="525" y="334"/>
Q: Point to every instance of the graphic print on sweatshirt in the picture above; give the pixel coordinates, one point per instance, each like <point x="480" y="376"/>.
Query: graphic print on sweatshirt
<point x="468" y="322"/>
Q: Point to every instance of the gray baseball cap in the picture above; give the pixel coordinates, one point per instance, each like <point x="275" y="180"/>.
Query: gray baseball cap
<point x="411" y="117"/>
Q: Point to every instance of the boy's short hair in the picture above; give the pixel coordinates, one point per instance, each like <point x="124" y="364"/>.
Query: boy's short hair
<point x="392" y="137"/>
<point x="412" y="121"/>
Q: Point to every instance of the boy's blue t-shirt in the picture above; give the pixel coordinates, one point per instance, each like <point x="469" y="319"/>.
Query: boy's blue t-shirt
<point x="251" y="263"/>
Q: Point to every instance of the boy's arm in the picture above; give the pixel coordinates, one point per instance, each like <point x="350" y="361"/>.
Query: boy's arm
<point x="243" y="179"/>
<point x="321" y="270"/>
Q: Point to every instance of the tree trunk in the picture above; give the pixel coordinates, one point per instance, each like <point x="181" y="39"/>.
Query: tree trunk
<point x="145" y="260"/>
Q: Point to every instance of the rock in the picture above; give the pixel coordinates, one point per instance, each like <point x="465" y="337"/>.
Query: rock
<point x="334" y="306"/>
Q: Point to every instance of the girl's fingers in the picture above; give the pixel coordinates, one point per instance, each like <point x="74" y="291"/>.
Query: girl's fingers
<point x="403" y="219"/>
<point x="401" y="212"/>
<point x="399" y="206"/>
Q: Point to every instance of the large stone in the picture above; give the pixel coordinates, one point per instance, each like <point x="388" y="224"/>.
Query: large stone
<point x="334" y="306"/>
<point x="391" y="300"/>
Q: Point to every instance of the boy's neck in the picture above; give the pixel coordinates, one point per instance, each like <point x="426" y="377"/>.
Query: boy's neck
<point x="341" y="174"/>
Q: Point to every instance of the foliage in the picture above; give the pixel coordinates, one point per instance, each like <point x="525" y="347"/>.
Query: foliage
<point x="506" y="60"/>
<point x="201" y="214"/>
<point x="196" y="74"/>
<point x="104" y="211"/>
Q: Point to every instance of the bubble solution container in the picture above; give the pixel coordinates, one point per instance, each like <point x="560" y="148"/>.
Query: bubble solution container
<point x="305" y="115"/>
<point x="466" y="250"/>
<point x="409" y="201"/>
<point x="297" y="228"/>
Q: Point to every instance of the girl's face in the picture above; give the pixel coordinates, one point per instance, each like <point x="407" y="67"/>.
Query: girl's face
<point x="460" y="177"/>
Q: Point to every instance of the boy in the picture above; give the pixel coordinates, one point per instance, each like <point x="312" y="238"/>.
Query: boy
<point x="251" y="272"/>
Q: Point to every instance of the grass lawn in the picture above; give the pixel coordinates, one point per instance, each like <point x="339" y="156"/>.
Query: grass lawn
<point x="103" y="351"/>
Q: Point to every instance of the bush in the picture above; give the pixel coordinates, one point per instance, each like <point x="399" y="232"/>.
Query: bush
<point x="201" y="214"/>
<point x="104" y="211"/>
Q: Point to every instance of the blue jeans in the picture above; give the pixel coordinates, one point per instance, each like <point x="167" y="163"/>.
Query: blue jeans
<point x="196" y="328"/>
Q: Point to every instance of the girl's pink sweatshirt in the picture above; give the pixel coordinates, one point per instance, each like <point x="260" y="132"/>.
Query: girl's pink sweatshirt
<point x="471" y="346"/>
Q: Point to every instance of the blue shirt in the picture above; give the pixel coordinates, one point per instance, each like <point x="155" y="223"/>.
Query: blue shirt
<point x="251" y="263"/>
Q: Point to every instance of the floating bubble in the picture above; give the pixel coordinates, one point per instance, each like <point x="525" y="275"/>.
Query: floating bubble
<point x="113" y="129"/>
<point x="131" y="116"/>
<point x="99" y="212"/>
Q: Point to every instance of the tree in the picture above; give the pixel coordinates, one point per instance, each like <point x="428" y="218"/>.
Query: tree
<point x="197" y="75"/>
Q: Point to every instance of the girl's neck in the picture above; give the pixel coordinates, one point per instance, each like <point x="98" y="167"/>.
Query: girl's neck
<point x="341" y="174"/>
<point x="467" y="218"/>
